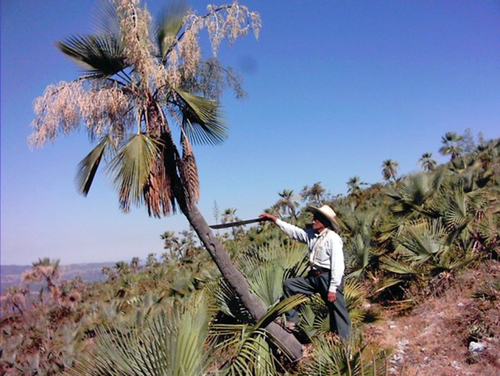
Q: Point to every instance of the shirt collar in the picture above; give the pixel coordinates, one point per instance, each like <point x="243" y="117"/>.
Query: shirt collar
<point x="322" y="233"/>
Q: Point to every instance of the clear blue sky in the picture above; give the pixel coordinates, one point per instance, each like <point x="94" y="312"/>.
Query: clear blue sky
<point x="335" y="88"/>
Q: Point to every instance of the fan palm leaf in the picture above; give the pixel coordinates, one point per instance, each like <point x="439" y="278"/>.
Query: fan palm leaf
<point x="99" y="55"/>
<point x="250" y="344"/>
<point x="266" y="283"/>
<point x="87" y="168"/>
<point x="166" y="344"/>
<point x="419" y="245"/>
<point x="202" y="121"/>
<point x="131" y="167"/>
<point x="170" y="24"/>
<point x="388" y="282"/>
<point x="457" y="213"/>
<point x="332" y="357"/>
<point x="394" y="266"/>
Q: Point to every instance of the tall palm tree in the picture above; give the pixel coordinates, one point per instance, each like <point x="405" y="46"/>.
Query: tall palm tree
<point x="428" y="164"/>
<point x="451" y="145"/>
<point x="137" y="80"/>
<point x="389" y="169"/>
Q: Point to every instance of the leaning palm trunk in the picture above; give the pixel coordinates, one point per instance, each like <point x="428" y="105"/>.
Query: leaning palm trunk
<point x="237" y="282"/>
<point x="230" y="273"/>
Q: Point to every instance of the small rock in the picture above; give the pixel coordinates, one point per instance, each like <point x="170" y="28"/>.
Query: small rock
<point x="404" y="342"/>
<point x="460" y="304"/>
<point x="423" y="349"/>
<point x="397" y="358"/>
<point x="476" y="347"/>
<point x="392" y="326"/>
<point x="426" y="359"/>
<point x="455" y="364"/>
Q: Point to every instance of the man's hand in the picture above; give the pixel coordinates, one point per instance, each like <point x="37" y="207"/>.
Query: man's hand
<point x="332" y="296"/>
<point x="268" y="217"/>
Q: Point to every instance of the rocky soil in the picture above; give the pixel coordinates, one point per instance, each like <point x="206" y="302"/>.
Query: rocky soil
<point x="456" y="332"/>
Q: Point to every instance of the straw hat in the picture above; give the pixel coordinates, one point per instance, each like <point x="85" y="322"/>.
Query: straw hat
<point x="326" y="212"/>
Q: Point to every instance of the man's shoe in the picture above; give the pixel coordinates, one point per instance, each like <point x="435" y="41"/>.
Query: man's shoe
<point x="288" y="326"/>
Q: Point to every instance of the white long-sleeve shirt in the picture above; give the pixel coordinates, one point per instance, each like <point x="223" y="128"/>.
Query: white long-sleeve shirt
<point x="325" y="249"/>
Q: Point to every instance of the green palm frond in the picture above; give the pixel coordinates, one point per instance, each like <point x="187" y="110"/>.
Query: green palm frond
<point x="279" y="309"/>
<point x="456" y="214"/>
<point x="105" y="19"/>
<point x="131" y="167"/>
<point x="391" y="265"/>
<point x="309" y="319"/>
<point x="171" y="24"/>
<point x="421" y="241"/>
<point x="332" y="357"/>
<point x="417" y="189"/>
<point x="388" y="282"/>
<point x="87" y="168"/>
<point x="354" y="293"/>
<point x="253" y="356"/>
<point x="438" y="178"/>
<point x="100" y="55"/>
<point x="202" y="120"/>
<point x="167" y="344"/>
<point x="266" y="268"/>
<point x="249" y="345"/>
<point x="266" y="283"/>
<point x="226" y="301"/>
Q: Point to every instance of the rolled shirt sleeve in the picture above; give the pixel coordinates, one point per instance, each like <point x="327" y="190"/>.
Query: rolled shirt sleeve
<point x="294" y="232"/>
<point x="336" y="262"/>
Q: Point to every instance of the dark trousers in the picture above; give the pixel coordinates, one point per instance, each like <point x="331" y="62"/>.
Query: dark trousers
<point x="319" y="284"/>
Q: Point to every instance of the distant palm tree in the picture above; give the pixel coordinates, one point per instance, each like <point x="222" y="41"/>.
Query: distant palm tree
<point x="135" y="263"/>
<point x="122" y="267"/>
<point x="315" y="194"/>
<point x="151" y="260"/>
<point x="428" y="164"/>
<point x="389" y="169"/>
<point x="229" y="216"/>
<point x="451" y="145"/>
<point x="172" y="243"/>
<point x="45" y="270"/>
<point x="354" y="185"/>
<point x="287" y="204"/>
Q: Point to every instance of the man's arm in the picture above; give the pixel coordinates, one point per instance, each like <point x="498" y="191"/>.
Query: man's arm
<point x="294" y="232"/>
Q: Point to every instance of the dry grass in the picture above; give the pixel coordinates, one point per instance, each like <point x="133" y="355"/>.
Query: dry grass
<point x="434" y="338"/>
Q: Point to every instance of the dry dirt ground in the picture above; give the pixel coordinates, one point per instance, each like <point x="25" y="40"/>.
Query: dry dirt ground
<point x="456" y="333"/>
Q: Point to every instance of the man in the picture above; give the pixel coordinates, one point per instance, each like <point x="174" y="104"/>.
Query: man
<point x="326" y="276"/>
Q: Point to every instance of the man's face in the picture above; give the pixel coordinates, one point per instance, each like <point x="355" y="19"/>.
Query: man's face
<point x="317" y="225"/>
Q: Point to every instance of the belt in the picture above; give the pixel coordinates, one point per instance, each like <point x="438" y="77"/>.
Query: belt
<point x="318" y="270"/>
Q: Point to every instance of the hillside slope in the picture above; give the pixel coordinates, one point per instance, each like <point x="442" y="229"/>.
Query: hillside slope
<point x="455" y="333"/>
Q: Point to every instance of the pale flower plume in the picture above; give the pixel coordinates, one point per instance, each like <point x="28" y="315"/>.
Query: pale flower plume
<point x="106" y="108"/>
